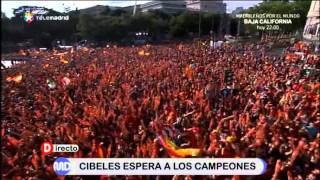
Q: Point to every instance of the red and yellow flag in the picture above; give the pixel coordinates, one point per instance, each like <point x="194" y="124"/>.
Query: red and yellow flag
<point x="63" y="60"/>
<point x="22" y="52"/>
<point x="141" y="53"/>
<point x="147" y="54"/>
<point x="189" y="71"/>
<point x="175" y="151"/>
<point x="17" y="78"/>
<point x="101" y="151"/>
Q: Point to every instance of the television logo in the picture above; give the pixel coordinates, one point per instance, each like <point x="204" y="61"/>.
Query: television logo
<point x="28" y="17"/>
<point x="49" y="148"/>
<point x="62" y="166"/>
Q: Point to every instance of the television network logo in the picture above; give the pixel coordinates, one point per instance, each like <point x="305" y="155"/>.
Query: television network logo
<point x="49" y="148"/>
<point x="62" y="166"/>
<point x="28" y="17"/>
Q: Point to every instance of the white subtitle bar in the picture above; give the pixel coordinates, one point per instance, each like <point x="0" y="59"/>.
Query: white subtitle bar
<point x="159" y="166"/>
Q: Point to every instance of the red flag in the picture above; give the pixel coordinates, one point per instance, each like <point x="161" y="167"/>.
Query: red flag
<point x="138" y="154"/>
<point x="14" y="142"/>
<point x="157" y="101"/>
<point x="125" y="87"/>
<point x="101" y="151"/>
<point x="144" y="151"/>
<point x="35" y="160"/>
<point x="141" y="53"/>
<point x="109" y="150"/>
<point x="189" y="72"/>
<point x="63" y="60"/>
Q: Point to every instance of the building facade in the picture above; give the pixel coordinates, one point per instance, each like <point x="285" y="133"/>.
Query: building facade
<point x="238" y="10"/>
<point x="212" y="6"/>
<point x="165" y="6"/>
<point x="312" y="28"/>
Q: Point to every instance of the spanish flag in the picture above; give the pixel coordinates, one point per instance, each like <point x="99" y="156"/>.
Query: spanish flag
<point x="101" y="151"/>
<point x="22" y="52"/>
<point x="63" y="60"/>
<point x="189" y="71"/>
<point x="85" y="49"/>
<point x="45" y="66"/>
<point x="291" y="56"/>
<point x="141" y="53"/>
<point x="147" y="54"/>
<point x="175" y="151"/>
<point x="17" y="78"/>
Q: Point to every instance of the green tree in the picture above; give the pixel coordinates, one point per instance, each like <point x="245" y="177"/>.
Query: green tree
<point x="183" y="24"/>
<point x="87" y="26"/>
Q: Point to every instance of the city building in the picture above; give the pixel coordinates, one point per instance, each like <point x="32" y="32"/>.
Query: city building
<point x="165" y="6"/>
<point x="312" y="28"/>
<point x="238" y="10"/>
<point x="212" y="6"/>
<point x="98" y="9"/>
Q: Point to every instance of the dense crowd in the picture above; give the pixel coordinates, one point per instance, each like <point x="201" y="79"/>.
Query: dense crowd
<point x="114" y="101"/>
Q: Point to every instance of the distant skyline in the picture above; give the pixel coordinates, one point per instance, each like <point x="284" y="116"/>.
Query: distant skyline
<point x="8" y="6"/>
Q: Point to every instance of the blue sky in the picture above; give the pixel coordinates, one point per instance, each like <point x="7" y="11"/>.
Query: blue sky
<point x="7" y="6"/>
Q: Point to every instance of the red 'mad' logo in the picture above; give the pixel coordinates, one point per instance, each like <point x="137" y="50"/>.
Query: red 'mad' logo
<point x="46" y="148"/>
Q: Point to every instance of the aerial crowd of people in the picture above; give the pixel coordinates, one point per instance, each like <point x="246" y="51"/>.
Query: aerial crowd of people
<point x="117" y="101"/>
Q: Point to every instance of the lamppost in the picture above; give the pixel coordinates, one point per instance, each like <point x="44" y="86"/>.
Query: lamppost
<point x="135" y="8"/>
<point x="199" y="23"/>
<point x="239" y="26"/>
<point x="211" y="39"/>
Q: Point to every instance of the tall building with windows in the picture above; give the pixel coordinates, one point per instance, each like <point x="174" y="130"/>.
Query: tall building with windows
<point x="237" y="11"/>
<point x="312" y="28"/>
<point x="212" y="6"/>
<point x="163" y="5"/>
